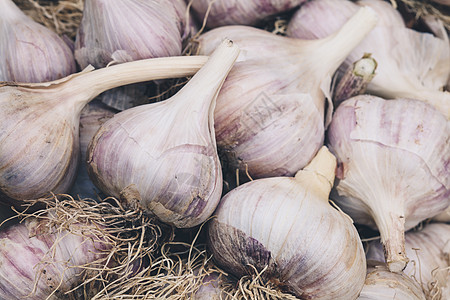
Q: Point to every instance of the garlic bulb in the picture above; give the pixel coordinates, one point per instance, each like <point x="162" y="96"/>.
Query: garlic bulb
<point x="269" y="117"/>
<point x="210" y="288"/>
<point x="167" y="149"/>
<point x="429" y="252"/>
<point x="128" y="30"/>
<point x="382" y="284"/>
<point x="287" y="225"/>
<point x="411" y="64"/>
<point x="92" y="117"/>
<point x="38" y="263"/>
<point x="393" y="166"/>
<point x="30" y="51"/>
<point x="39" y="146"/>
<point x="240" y="12"/>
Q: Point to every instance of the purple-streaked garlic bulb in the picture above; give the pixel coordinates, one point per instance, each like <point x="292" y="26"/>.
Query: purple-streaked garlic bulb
<point x="393" y="158"/>
<point x="167" y="150"/>
<point x="411" y="64"/>
<point x="128" y="30"/>
<point x="37" y="262"/>
<point x="429" y="253"/>
<point x="39" y="136"/>
<point x="270" y="113"/>
<point x="286" y="224"/>
<point x="30" y="52"/>
<point x="211" y="287"/>
<point x="240" y="12"/>
<point x="382" y="284"/>
<point x="92" y="117"/>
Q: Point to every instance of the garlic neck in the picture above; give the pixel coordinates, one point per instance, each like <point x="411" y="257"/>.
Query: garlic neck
<point x="332" y="50"/>
<point x="319" y="174"/>
<point x="90" y="84"/>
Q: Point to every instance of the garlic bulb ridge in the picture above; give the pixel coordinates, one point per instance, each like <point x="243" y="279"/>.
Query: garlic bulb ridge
<point x="393" y="160"/>
<point x="30" y="52"/>
<point x="167" y="149"/>
<point x="286" y="224"/>
<point x="270" y="113"/>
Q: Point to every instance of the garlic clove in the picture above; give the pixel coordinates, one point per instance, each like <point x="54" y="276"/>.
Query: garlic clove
<point x="411" y="64"/>
<point x="392" y="157"/>
<point x="286" y="225"/>
<point x="270" y="114"/>
<point x="30" y="52"/>
<point x="240" y="12"/>
<point x="429" y="252"/>
<point x="44" y="118"/>
<point x="167" y="149"/>
<point x="382" y="284"/>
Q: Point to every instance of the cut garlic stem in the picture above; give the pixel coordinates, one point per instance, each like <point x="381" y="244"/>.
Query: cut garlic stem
<point x="136" y="71"/>
<point x="319" y="173"/>
<point x="343" y="41"/>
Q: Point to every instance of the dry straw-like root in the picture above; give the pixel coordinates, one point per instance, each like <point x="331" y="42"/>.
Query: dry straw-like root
<point x="421" y="8"/>
<point x="62" y="16"/>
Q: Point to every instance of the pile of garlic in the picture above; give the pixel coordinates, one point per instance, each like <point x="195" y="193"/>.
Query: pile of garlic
<point x="273" y="160"/>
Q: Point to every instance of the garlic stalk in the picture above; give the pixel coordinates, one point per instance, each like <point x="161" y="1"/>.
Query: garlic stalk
<point x="393" y="166"/>
<point x="240" y="12"/>
<point x="92" y="117"/>
<point x="269" y="117"/>
<point x="39" y="146"/>
<point x="124" y="31"/>
<point x="30" y="52"/>
<point x="167" y="149"/>
<point x="382" y="284"/>
<point x="429" y="252"/>
<point x="411" y="64"/>
<point x="37" y="262"/>
<point x="286" y="225"/>
<point x="355" y="79"/>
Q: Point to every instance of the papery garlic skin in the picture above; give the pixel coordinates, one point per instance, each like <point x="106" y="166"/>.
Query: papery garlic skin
<point x="39" y="139"/>
<point x="443" y="216"/>
<point x="240" y="12"/>
<point x="150" y="29"/>
<point x="382" y="284"/>
<point x="429" y="252"/>
<point x="128" y="30"/>
<point x="30" y="52"/>
<point x="37" y="263"/>
<point x="270" y="115"/>
<point x="92" y="117"/>
<point x="393" y="157"/>
<point x="411" y="64"/>
<point x="167" y="149"/>
<point x="286" y="224"/>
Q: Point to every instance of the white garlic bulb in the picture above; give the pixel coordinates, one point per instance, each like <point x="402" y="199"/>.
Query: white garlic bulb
<point x="429" y="252"/>
<point x="443" y="216"/>
<point x="286" y="224"/>
<point x="92" y="117"/>
<point x="240" y="12"/>
<point x="269" y="117"/>
<point x="167" y="149"/>
<point x="393" y="160"/>
<point x="30" y="52"/>
<point x="411" y="64"/>
<point x="39" y="146"/>
<point x="37" y="262"/>
<point x="381" y="284"/>
<point x="128" y="30"/>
